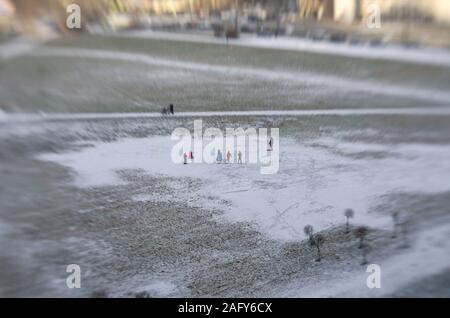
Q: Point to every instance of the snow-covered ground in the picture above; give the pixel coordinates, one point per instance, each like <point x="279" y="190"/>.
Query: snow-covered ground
<point x="139" y="222"/>
<point x="316" y="181"/>
<point x="342" y="83"/>
<point x="426" y="111"/>
<point x="16" y="48"/>
<point x="22" y="45"/>
<point x="439" y="57"/>
<point x="430" y="255"/>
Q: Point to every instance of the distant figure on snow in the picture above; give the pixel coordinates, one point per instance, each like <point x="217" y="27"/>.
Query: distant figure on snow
<point x="270" y="144"/>
<point x="239" y="156"/>
<point x="164" y="111"/>
<point x="219" y="156"/>
<point x="228" y="156"/>
<point x="184" y="158"/>
<point x="171" y="109"/>
<point x="190" y="155"/>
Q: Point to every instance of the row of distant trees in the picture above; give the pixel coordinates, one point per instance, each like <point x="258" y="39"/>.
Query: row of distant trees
<point x="400" y="228"/>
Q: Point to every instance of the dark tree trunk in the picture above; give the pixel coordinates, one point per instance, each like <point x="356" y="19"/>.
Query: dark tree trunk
<point x="319" y="256"/>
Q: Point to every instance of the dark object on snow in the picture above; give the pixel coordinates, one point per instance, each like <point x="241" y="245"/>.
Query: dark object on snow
<point x="219" y="156"/>
<point x="349" y="213"/>
<point x="361" y="233"/>
<point x="338" y="38"/>
<point x="270" y="144"/>
<point x="142" y="294"/>
<point x="171" y="109"/>
<point x="309" y="231"/>
<point x="318" y="241"/>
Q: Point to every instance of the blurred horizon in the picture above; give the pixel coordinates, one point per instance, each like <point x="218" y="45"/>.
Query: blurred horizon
<point x="409" y="23"/>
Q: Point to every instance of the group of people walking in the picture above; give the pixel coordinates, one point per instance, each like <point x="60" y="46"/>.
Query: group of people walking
<point x="167" y="110"/>
<point x="219" y="158"/>
<point x="227" y="159"/>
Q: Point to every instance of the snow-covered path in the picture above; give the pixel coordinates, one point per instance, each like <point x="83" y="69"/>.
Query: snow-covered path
<point x="425" y="111"/>
<point x="16" y="48"/>
<point x="342" y="83"/>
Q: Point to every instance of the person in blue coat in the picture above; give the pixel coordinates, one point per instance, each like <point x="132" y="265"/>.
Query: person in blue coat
<point x="219" y="156"/>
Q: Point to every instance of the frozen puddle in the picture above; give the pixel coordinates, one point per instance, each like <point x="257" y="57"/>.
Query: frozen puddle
<point x="315" y="183"/>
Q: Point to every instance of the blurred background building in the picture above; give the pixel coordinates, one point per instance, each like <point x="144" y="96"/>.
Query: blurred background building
<point x="412" y="22"/>
<point x="8" y="23"/>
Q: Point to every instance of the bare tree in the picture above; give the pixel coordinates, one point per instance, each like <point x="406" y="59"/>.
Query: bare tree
<point x="361" y="233"/>
<point x="309" y="231"/>
<point x="349" y="213"/>
<point x="318" y="241"/>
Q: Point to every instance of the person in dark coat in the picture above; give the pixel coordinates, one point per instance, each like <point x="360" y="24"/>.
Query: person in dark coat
<point x="270" y="144"/>
<point x="171" y="109"/>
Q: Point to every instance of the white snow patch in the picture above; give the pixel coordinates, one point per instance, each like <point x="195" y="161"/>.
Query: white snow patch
<point x="424" y="111"/>
<point x="313" y="186"/>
